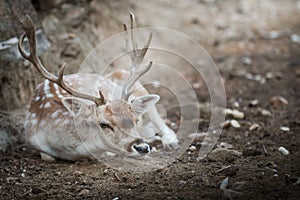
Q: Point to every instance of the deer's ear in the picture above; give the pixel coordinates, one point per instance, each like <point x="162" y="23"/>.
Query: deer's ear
<point x="77" y="106"/>
<point x="141" y="104"/>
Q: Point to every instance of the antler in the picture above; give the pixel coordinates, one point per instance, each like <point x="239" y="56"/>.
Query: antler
<point x="137" y="56"/>
<point x="33" y="58"/>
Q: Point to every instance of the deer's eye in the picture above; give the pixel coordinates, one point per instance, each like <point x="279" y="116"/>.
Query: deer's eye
<point x="105" y="126"/>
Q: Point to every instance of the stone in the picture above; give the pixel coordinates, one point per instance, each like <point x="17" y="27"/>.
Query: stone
<point x="253" y="102"/>
<point x="278" y="101"/>
<point x="223" y="154"/>
<point x="254" y="126"/>
<point x="192" y="148"/>
<point x="285" y="128"/>
<point x="234" y="113"/>
<point x="284" y="151"/>
<point x="246" y="61"/>
<point x="84" y="192"/>
<point x="235" y="124"/>
<point x="265" y="112"/>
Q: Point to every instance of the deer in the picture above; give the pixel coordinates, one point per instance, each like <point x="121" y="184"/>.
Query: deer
<point x="110" y="113"/>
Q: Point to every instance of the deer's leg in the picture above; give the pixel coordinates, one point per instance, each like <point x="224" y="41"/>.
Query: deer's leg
<point x="169" y="138"/>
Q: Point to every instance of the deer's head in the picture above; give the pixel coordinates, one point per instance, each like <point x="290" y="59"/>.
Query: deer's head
<point x="115" y="121"/>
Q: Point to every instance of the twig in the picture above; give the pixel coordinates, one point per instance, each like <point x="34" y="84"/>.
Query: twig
<point x="265" y="150"/>
<point x="117" y="177"/>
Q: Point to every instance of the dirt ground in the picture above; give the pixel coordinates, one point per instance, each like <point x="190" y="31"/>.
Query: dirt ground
<point x="259" y="59"/>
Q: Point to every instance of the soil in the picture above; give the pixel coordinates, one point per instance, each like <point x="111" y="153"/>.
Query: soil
<point x="255" y="66"/>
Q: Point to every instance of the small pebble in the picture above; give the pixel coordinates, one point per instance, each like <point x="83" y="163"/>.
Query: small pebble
<point x="236" y="104"/>
<point x="174" y="125"/>
<point x="192" y="148"/>
<point x="275" y="74"/>
<point x="263" y="81"/>
<point x="238" y="114"/>
<point x="273" y="34"/>
<point x="295" y="38"/>
<point x="249" y="76"/>
<point x="83" y="192"/>
<point x="265" y="112"/>
<point x="258" y="77"/>
<point x="224" y="184"/>
<point x="284" y="151"/>
<point x="279" y="101"/>
<point x="285" y="128"/>
<point x="234" y="113"/>
<point x="71" y="35"/>
<point x="271" y="169"/>
<point x="246" y="61"/>
<point x="269" y="75"/>
<point x="254" y="126"/>
<point x="232" y="123"/>
<point x="253" y="102"/>
<point x="298" y="181"/>
<point x="225" y="145"/>
<point x="235" y="124"/>
<point x="230" y="193"/>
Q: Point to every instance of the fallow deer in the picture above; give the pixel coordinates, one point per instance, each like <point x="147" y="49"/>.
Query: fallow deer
<point x="110" y="114"/>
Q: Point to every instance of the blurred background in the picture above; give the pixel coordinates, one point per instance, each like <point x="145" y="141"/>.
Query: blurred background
<point x="67" y="31"/>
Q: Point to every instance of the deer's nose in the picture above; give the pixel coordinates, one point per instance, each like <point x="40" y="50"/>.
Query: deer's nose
<point x="142" y="148"/>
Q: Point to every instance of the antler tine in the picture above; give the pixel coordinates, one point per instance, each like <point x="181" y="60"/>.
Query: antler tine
<point x="33" y="58"/>
<point x="132" y="26"/>
<point x="30" y="32"/>
<point x="61" y="83"/>
<point x="137" y="56"/>
<point x="134" y="79"/>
